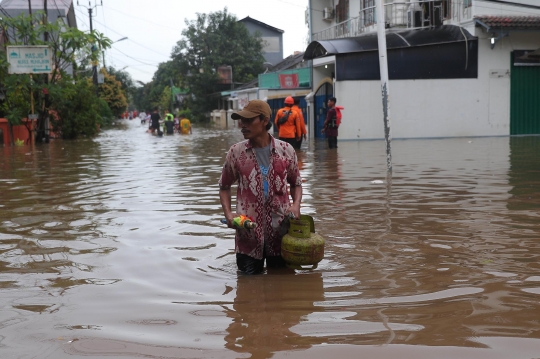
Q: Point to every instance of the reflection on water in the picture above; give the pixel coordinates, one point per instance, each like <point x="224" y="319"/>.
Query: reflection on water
<point x="113" y="247"/>
<point x="265" y="309"/>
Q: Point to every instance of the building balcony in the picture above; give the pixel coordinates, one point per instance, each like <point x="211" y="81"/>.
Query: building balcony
<point x="398" y="14"/>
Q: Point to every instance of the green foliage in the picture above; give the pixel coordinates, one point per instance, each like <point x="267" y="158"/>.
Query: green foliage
<point x="126" y="82"/>
<point x="165" y="99"/>
<point x="186" y="113"/>
<point x="107" y="117"/>
<point x="67" y="44"/>
<point x="213" y="40"/>
<point x="76" y="109"/>
<point x="16" y="104"/>
<point x="111" y="92"/>
<point x="141" y="98"/>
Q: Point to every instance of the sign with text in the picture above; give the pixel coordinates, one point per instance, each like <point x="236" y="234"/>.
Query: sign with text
<point x="527" y="58"/>
<point x="288" y="81"/>
<point x="29" y="59"/>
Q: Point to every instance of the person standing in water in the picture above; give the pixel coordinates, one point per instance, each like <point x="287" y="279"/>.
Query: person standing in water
<point x="262" y="166"/>
<point x="330" y="126"/>
<point x="155" y="117"/>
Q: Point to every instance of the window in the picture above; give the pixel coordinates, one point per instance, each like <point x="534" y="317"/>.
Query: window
<point x="368" y="12"/>
<point x="271" y="44"/>
<point x="467" y="3"/>
<point x="342" y="10"/>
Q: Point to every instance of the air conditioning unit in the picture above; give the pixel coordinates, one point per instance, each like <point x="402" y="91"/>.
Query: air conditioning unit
<point x="328" y="14"/>
<point x="414" y="18"/>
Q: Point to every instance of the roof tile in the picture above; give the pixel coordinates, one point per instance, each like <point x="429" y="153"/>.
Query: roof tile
<point x="515" y="22"/>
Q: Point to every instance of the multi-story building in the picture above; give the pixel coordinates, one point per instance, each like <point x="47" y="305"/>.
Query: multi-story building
<point x="456" y="67"/>
<point x="272" y="39"/>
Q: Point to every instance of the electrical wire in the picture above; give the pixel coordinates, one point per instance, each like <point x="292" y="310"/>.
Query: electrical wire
<point x="142" y="19"/>
<point x="135" y="42"/>
<point x="58" y="10"/>
<point x="133" y="58"/>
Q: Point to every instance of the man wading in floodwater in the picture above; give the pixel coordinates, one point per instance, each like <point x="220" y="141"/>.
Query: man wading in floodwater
<point x="263" y="166"/>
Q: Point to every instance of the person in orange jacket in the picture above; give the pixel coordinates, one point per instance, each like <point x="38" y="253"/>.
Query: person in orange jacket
<point x="303" y="130"/>
<point x="288" y="123"/>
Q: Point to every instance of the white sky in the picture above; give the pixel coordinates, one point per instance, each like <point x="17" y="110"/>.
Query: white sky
<point x="154" y="26"/>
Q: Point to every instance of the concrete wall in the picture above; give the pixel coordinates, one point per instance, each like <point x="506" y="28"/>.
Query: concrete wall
<point x="437" y="108"/>
<point x="20" y="132"/>
<point x="272" y="57"/>
<point x="317" y="22"/>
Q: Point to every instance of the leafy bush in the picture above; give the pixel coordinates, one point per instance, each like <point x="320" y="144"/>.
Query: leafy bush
<point x="107" y="117"/>
<point x="187" y="113"/>
<point x="76" y="109"/>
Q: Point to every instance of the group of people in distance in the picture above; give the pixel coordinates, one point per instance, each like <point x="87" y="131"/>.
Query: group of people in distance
<point x="171" y="124"/>
<point x="291" y="126"/>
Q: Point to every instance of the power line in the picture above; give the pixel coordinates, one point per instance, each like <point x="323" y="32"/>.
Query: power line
<point x="140" y="18"/>
<point x="135" y="42"/>
<point x="133" y="58"/>
<point x="143" y="61"/>
<point x="59" y="14"/>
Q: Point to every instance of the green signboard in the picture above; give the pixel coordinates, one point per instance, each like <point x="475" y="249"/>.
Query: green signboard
<point x="29" y="59"/>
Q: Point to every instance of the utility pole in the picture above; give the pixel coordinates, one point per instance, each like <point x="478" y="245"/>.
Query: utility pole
<point x="30" y="11"/>
<point x="90" y="9"/>
<point x="385" y="89"/>
<point x="43" y="120"/>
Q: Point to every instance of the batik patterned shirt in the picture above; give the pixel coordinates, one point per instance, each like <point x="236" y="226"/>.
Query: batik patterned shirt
<point x="241" y="166"/>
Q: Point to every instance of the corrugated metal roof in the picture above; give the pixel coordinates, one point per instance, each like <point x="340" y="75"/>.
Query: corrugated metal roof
<point x="508" y="22"/>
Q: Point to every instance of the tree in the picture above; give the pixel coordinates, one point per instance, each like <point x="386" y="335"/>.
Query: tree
<point x="67" y="44"/>
<point x="213" y="40"/>
<point x="126" y="82"/>
<point x="111" y="91"/>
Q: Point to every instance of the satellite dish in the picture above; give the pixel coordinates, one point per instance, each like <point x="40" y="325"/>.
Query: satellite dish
<point x="267" y="66"/>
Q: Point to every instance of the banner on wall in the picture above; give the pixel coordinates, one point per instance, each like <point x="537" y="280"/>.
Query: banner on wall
<point x="243" y="100"/>
<point x="289" y="81"/>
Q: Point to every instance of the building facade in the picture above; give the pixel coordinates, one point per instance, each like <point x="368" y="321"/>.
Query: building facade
<point x="457" y="68"/>
<point x="272" y="39"/>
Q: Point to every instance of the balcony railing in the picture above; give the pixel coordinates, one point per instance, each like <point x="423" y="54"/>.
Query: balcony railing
<point x="413" y="14"/>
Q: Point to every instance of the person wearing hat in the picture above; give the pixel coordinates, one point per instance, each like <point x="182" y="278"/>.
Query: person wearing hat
<point x="288" y="123"/>
<point x="262" y="166"/>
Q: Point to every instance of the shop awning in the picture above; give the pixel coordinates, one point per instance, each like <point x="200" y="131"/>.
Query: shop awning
<point x="394" y="40"/>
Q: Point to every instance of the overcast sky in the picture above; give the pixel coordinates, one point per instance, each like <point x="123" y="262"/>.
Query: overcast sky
<point x="154" y="26"/>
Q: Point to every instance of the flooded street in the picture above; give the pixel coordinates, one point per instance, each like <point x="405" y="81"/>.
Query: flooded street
<point x="112" y="247"/>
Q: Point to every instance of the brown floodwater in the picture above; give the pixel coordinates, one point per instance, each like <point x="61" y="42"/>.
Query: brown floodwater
<point x="112" y="247"/>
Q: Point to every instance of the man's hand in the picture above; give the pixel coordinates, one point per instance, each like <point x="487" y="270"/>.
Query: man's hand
<point x="298" y="138"/>
<point x="294" y="209"/>
<point x="230" y="218"/>
<point x="305" y="136"/>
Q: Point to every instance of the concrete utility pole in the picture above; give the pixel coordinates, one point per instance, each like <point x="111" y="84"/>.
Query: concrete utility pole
<point x="94" y="63"/>
<point x="30" y="11"/>
<point x="383" y="64"/>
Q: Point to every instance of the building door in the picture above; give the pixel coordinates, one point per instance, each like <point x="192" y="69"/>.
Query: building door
<point x="321" y="99"/>
<point x="524" y="98"/>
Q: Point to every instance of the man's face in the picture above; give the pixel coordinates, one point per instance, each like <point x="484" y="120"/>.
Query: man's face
<point x="253" y="127"/>
<point x="331" y="103"/>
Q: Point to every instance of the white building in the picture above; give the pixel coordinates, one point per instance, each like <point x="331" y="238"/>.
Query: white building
<point x="457" y="67"/>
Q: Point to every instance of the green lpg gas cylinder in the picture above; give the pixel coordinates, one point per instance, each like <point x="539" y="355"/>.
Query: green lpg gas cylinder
<point x="302" y="246"/>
